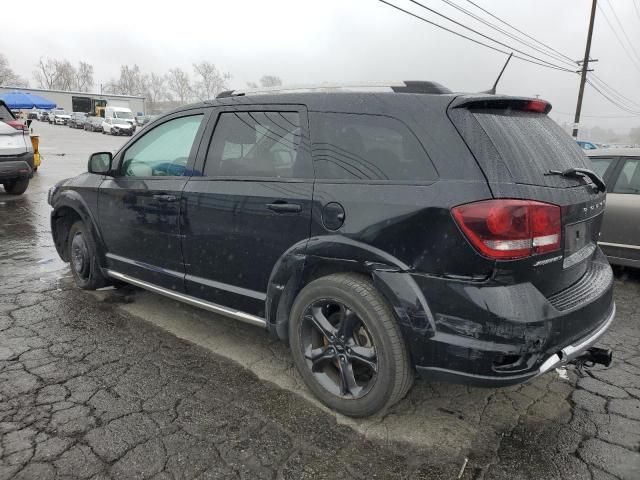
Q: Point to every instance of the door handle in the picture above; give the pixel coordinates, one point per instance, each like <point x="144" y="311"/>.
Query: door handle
<point x="162" y="197"/>
<point x="283" y="207"/>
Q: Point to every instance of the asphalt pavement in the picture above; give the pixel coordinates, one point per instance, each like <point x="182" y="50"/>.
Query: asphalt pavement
<point x="125" y="384"/>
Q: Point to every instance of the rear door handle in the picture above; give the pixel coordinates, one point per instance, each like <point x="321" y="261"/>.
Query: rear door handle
<point x="162" y="197"/>
<point x="283" y="207"/>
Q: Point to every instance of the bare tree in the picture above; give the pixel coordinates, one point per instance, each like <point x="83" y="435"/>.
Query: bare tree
<point x="210" y="81"/>
<point x="155" y="88"/>
<point x="66" y="75"/>
<point x="8" y="77"/>
<point x="47" y="74"/>
<point x="84" y="77"/>
<point x="60" y="74"/>
<point x="270" y="81"/>
<point x="180" y="84"/>
<point x="130" y="82"/>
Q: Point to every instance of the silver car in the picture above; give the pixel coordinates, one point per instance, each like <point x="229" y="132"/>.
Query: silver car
<point x="620" y="234"/>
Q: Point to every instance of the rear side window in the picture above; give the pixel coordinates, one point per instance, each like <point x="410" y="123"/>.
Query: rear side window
<point x="366" y="147"/>
<point x="520" y="147"/>
<point x="601" y="165"/>
<point x="258" y="144"/>
<point x="629" y="179"/>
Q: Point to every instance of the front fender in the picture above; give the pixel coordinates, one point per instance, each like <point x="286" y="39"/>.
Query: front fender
<point x="71" y="199"/>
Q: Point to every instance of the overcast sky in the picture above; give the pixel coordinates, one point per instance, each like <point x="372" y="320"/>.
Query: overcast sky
<point x="305" y="41"/>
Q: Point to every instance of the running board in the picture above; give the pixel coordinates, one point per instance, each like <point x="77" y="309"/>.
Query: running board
<point x="196" y="302"/>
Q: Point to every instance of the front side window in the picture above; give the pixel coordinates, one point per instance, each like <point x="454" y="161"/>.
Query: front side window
<point x="367" y="147"/>
<point x="163" y="151"/>
<point x="257" y="144"/>
<point x="629" y="178"/>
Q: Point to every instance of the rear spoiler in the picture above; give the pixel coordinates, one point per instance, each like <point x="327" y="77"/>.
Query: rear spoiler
<point x="534" y="105"/>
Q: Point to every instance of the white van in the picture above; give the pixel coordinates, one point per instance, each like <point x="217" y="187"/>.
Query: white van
<point x="122" y="113"/>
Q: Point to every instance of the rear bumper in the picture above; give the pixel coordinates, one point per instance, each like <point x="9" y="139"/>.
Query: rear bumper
<point x="562" y="357"/>
<point x="491" y="334"/>
<point x="20" y="166"/>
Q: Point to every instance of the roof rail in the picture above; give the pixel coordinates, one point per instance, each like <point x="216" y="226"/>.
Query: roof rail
<point x="405" y="86"/>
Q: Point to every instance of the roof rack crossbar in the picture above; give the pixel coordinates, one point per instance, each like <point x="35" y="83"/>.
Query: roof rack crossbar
<point x="406" y="86"/>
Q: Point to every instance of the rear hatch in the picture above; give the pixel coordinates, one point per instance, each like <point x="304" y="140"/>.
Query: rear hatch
<point x="13" y="142"/>
<point x="517" y="147"/>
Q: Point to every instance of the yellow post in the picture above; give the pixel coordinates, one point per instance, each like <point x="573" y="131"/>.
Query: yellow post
<point x="35" y="142"/>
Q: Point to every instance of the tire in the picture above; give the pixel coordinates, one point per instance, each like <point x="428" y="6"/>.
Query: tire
<point x="372" y="388"/>
<point x="83" y="258"/>
<point x="17" y="186"/>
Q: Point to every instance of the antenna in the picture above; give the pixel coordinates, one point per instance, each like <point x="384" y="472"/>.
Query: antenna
<point x="495" y="85"/>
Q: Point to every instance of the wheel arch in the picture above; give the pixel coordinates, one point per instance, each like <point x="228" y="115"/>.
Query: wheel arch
<point x="70" y="207"/>
<point x="318" y="257"/>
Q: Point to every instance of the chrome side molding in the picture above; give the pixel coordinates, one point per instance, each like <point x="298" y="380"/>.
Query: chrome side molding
<point x="196" y="302"/>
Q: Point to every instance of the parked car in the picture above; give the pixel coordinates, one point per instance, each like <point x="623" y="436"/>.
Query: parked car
<point x="121" y="113"/>
<point x="142" y="120"/>
<point x="93" y="124"/>
<point x="32" y="115"/>
<point x="76" y="119"/>
<point x="587" y="145"/>
<point x="379" y="234"/>
<point x="59" y="117"/>
<point x="16" y="153"/>
<point x="117" y="126"/>
<point x="620" y="236"/>
<point x="44" y="116"/>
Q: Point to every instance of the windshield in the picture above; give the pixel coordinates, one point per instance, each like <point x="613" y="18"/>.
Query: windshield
<point x="60" y="112"/>
<point x="127" y="115"/>
<point x="118" y="121"/>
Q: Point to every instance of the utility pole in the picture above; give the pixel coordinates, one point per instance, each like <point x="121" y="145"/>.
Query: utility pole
<point x="585" y="69"/>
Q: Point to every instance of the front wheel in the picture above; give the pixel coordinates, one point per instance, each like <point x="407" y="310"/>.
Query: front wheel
<point x="347" y="345"/>
<point x="83" y="258"/>
<point x="17" y="186"/>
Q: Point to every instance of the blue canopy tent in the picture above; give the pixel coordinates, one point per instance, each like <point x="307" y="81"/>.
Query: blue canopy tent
<point x="23" y="101"/>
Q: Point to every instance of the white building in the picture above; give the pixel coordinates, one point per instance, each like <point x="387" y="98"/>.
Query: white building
<point x="69" y="100"/>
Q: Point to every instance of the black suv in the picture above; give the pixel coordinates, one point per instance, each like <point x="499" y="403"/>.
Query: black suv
<point x="379" y="233"/>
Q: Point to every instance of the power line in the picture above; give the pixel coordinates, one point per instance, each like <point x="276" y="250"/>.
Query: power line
<point x="482" y="34"/>
<point x="613" y="101"/>
<point x="520" y="31"/>
<point x="593" y="116"/>
<point x="473" y="39"/>
<point x="624" y="47"/>
<point x="613" y="92"/>
<point x="624" y="32"/>
<point x="469" y="13"/>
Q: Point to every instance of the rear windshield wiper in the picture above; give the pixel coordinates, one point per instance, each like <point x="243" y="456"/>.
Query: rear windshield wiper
<point x="580" y="173"/>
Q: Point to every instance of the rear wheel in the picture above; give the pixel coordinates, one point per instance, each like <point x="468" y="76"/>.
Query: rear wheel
<point x="17" y="186"/>
<point x="347" y="345"/>
<point x="83" y="258"/>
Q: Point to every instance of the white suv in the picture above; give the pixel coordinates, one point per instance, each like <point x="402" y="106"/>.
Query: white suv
<point x="16" y="153"/>
<point x="59" y="117"/>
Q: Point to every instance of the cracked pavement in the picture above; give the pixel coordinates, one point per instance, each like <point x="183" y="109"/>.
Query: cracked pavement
<point x="126" y="384"/>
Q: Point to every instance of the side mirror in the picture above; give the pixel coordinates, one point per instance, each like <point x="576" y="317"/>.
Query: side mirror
<point x="100" y="163"/>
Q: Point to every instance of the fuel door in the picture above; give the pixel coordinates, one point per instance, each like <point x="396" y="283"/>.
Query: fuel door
<point x="333" y="216"/>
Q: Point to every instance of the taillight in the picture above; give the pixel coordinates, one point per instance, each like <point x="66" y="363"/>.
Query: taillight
<point x="17" y="124"/>
<point x="539" y="106"/>
<point x="509" y="229"/>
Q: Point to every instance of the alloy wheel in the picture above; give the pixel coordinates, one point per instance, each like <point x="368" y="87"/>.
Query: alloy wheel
<point x="80" y="255"/>
<point x="338" y="348"/>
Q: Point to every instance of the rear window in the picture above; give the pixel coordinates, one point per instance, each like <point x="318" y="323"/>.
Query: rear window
<point x="5" y="114"/>
<point x="517" y="146"/>
<point x="367" y="147"/>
